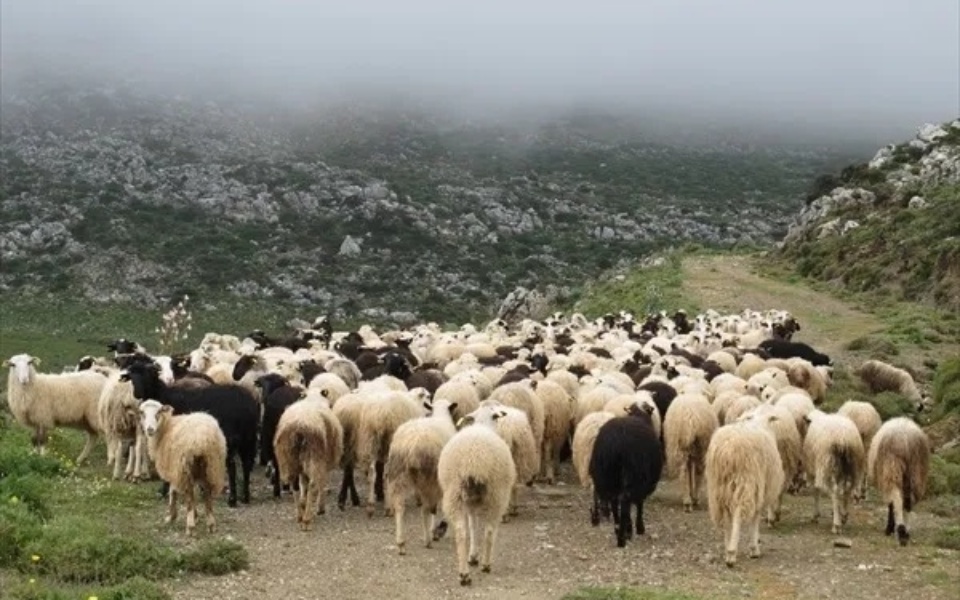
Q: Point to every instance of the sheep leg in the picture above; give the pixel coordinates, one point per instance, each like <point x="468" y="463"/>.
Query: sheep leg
<point x="489" y="539"/>
<point x="87" y="447"/>
<point x="378" y="483"/>
<point x="461" y="526"/>
<point x="595" y="510"/>
<point x="903" y="536"/>
<point x="474" y="522"/>
<point x="427" y="519"/>
<point x="40" y="440"/>
<point x="321" y="499"/>
<point x="120" y="449"/>
<point x="275" y="481"/>
<point x="112" y="450"/>
<point x="755" y="537"/>
<point x="624" y="526"/>
<point x="171" y="506"/>
<point x="190" y="500"/>
<point x="345" y="486"/>
<point x="208" y="491"/>
<point x="246" y="464"/>
<point x="372" y="495"/>
<point x="513" y="510"/>
<point x="641" y="528"/>
<point x="816" y="504"/>
<point x="835" y="501"/>
<point x="688" y="480"/>
<point x="440" y="529"/>
<point x="399" y="506"/>
<point x="309" y="491"/>
<point x="301" y="499"/>
<point x="232" y="477"/>
<point x="891" y="522"/>
<point x="733" y="538"/>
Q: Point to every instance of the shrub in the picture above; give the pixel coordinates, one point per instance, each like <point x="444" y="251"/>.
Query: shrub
<point x="132" y="589"/>
<point x="892" y="404"/>
<point x="944" y="476"/>
<point x="946" y="386"/>
<point x="27" y="490"/>
<point x="948" y="537"/>
<point x="18" y="525"/>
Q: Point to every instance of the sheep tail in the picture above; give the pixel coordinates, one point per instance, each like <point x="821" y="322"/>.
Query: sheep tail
<point x="844" y="462"/>
<point x="474" y="490"/>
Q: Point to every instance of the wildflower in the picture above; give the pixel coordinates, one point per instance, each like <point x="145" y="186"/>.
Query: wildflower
<point x="35" y="558"/>
<point x="14" y="500"/>
<point x="32" y="580"/>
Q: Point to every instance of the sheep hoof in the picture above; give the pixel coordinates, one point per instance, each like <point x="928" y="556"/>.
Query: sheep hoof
<point x="731" y="560"/>
<point x="843" y="518"/>
<point x="465" y="579"/>
<point x="473" y="561"/>
<point x="322" y="510"/>
<point x="903" y="536"/>
<point x="835" y="529"/>
<point x="755" y="553"/>
<point x="485" y="569"/>
<point x="402" y="549"/>
<point x="232" y="502"/>
<point x="688" y="507"/>
<point x="428" y="544"/>
<point x="439" y="531"/>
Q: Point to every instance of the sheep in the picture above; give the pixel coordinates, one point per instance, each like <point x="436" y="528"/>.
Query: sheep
<point x="308" y="443"/>
<point x="882" y="377"/>
<point x="625" y="467"/>
<point x="558" y="419"/>
<point x="868" y="422"/>
<point x="687" y="429"/>
<point x="463" y="392"/>
<point x="620" y="405"/>
<point x="476" y="474"/>
<point x="118" y="414"/>
<point x="749" y="365"/>
<point x="594" y="401"/>
<point x="349" y="412"/>
<point x="800" y="405"/>
<point x="782" y="425"/>
<point x="739" y="407"/>
<point x="188" y="450"/>
<point x="234" y="408"/>
<point x="785" y="349"/>
<point x="833" y="454"/>
<point x="346" y="370"/>
<point x="331" y="387"/>
<point x="584" y="438"/>
<point x="725" y="360"/>
<point x="411" y="467"/>
<point x="514" y="427"/>
<point x="382" y="414"/>
<point x="43" y="401"/>
<point x="744" y="479"/>
<point x="899" y="464"/>
<point x="803" y="375"/>
<point x="521" y="395"/>
<point x="278" y="395"/>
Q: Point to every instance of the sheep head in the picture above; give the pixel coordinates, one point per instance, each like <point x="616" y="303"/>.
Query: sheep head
<point x="145" y="379"/>
<point x="21" y="365"/>
<point x="152" y="416"/>
<point x="487" y="415"/>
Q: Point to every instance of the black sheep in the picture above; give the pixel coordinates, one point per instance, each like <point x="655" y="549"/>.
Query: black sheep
<point x="784" y="349"/>
<point x="625" y="467"/>
<point x="663" y="394"/>
<point x="234" y="408"/>
<point x="277" y="395"/>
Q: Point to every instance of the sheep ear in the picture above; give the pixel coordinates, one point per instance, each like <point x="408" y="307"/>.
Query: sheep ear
<point x="772" y="419"/>
<point x="6" y="363"/>
<point x="499" y="414"/>
<point x="166" y="409"/>
<point x="452" y="407"/>
<point x="427" y="405"/>
<point x="35" y="361"/>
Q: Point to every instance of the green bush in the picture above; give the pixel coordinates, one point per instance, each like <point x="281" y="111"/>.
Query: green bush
<point x="29" y="490"/>
<point x="944" y="476"/>
<point x="948" y="537"/>
<point x="18" y="525"/>
<point x="79" y="550"/>
<point x="876" y="347"/>
<point x="17" y="458"/>
<point x="892" y="404"/>
<point x="132" y="589"/>
<point x="946" y="386"/>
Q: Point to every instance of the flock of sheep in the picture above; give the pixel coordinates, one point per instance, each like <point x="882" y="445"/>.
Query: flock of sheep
<point x="461" y="420"/>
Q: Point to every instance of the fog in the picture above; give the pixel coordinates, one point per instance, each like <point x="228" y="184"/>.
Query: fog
<point x="886" y="65"/>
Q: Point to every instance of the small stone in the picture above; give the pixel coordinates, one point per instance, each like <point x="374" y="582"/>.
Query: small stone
<point x="843" y="543"/>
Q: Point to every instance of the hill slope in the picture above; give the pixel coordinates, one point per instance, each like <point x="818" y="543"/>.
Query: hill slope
<point x="116" y="193"/>
<point x="890" y="226"/>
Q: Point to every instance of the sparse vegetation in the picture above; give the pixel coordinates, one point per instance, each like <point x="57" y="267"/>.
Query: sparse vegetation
<point x="628" y="593"/>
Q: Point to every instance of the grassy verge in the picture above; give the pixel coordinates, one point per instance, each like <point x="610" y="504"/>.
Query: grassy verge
<point x="68" y="532"/>
<point x="628" y="593"/>
<point x="642" y="290"/>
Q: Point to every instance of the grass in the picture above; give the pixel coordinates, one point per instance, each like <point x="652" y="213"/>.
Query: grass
<point x="642" y="291"/>
<point x="68" y="532"/>
<point x="949" y="538"/>
<point x="628" y="593"/>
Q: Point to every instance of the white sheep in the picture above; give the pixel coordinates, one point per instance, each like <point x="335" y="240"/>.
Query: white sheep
<point x="43" y="401"/>
<point x="739" y="407"/>
<point x="584" y="437"/>
<point x="188" y="450"/>
<point x="558" y="413"/>
<point x="782" y="425"/>
<point x="804" y="375"/>
<point x="514" y="427"/>
<point x="833" y="454"/>
<point x="330" y="386"/>
<point x="744" y="479"/>
<point x="800" y="405"/>
<point x="882" y="377"/>
<point x="118" y="412"/>
<point x="411" y="467"/>
<point x="382" y="413"/>
<point x="461" y="391"/>
<point x="346" y="370"/>
<point x="520" y="395"/>
<point x="687" y="429"/>
<point x="477" y="475"/>
<point x="307" y="445"/>
<point x="868" y="422"/>
<point x="899" y="464"/>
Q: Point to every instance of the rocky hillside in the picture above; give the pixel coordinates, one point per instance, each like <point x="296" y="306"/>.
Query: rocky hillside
<point x="890" y="225"/>
<point x="116" y="194"/>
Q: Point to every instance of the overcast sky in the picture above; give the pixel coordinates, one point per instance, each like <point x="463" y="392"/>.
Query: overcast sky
<point x="819" y="61"/>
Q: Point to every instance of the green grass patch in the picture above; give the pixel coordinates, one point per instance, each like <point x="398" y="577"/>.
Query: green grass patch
<point x="641" y="290"/>
<point x="946" y="387"/>
<point x="628" y="593"/>
<point x="948" y="537"/>
<point x="68" y="529"/>
<point x="944" y="476"/>
<point x="136" y="588"/>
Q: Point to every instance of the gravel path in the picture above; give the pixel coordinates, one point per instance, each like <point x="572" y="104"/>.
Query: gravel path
<point x="550" y="549"/>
